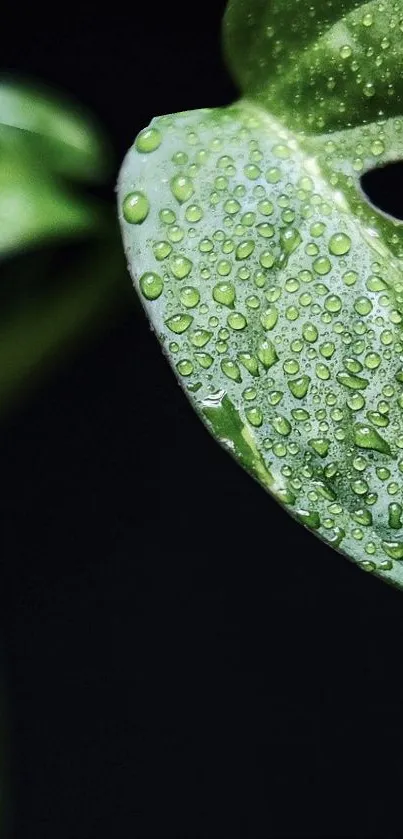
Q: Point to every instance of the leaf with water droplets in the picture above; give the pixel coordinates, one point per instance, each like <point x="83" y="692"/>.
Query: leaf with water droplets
<point x="254" y="222"/>
<point x="319" y="67"/>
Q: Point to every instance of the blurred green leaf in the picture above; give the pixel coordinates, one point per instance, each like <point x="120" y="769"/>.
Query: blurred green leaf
<point x="42" y="142"/>
<point x="49" y="296"/>
<point x="72" y="142"/>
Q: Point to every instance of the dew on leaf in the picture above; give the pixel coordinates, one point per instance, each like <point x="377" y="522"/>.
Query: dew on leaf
<point x="151" y="285"/>
<point x="148" y="140"/>
<point x="224" y="293"/>
<point x="179" y="323"/>
<point x="182" y="188"/>
<point x="135" y="207"/>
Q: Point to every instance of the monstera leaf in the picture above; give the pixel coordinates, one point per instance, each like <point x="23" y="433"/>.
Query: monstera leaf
<point x="274" y="286"/>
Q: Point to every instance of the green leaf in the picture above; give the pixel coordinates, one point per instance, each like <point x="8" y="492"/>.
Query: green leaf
<point x="274" y="287"/>
<point x="34" y="206"/>
<point x="318" y="66"/>
<point x="45" y="141"/>
<point x="65" y="135"/>
<point x="41" y="143"/>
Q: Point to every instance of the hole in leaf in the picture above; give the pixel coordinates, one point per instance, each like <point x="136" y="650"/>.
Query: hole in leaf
<point x="384" y="188"/>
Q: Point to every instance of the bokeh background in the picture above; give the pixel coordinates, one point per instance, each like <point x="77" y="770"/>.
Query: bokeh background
<point x="180" y="659"/>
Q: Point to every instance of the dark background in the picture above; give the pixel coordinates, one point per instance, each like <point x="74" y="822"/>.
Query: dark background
<point x="181" y="659"/>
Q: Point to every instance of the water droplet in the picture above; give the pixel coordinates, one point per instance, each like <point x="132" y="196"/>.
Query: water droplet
<point x="249" y="362"/>
<point x="252" y="302"/>
<point x="339" y="244"/>
<point x="310" y="333"/>
<point x="273" y="175"/>
<point x="352" y="365"/>
<point x="327" y="349"/>
<point x="265" y="207"/>
<point x="275" y="396"/>
<point x="378" y="419"/>
<point x="185" y="367"/>
<point x="317" y="229"/>
<point x="310" y="518"/>
<point x="161" y="250"/>
<point x="231" y="370"/>
<point x="254" y="416"/>
<point x="179" y="323"/>
<point x="206" y="246"/>
<point x="182" y="188"/>
<point x="245" y="249"/>
<point x="281" y="425"/>
<point x="267" y="259"/>
<point x="181" y="267"/>
<point x="282" y="151"/>
<point x="322" y="265"/>
<point x="352" y="382"/>
<point x="368" y="438"/>
<point x="350" y="278"/>
<point x="151" y="285"/>
<point x="377" y="147"/>
<point x="393" y="549"/>
<point x="204" y="359"/>
<point x="267" y="354"/>
<point x="345" y="51"/>
<point x="224" y="267"/>
<point x="363" y="306"/>
<point x="180" y="158"/>
<point x="249" y="394"/>
<point x="135" y="207"/>
<point x="269" y="318"/>
<point x="289" y="241"/>
<point x="299" y="387"/>
<point x="395" y="516"/>
<point x="148" y="140"/>
<point x="236" y="321"/>
<point x="224" y="293"/>
<point x="175" y="233"/>
<point x="252" y="172"/>
<point x="322" y="372"/>
<point x="320" y="446"/>
<point x="369" y="90"/>
<point x="300" y="415"/>
<point x="367" y="19"/>
<point x="200" y="338"/>
<point x="189" y="297"/>
<point x="232" y="206"/>
<point x="367" y="565"/>
<point x="362" y="516"/>
<point x="291" y="366"/>
<point x="333" y="304"/>
<point x="355" y="402"/>
<point x="372" y="360"/>
<point x="193" y="213"/>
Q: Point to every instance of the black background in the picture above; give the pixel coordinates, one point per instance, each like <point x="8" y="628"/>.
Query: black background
<point x="181" y="659"/>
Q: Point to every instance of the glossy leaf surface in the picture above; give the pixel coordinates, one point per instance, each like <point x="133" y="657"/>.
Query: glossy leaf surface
<point x="275" y="288"/>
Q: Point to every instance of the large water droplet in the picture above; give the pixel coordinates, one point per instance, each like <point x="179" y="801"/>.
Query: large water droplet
<point x="182" y="188"/>
<point x="179" y="323"/>
<point x="367" y="437"/>
<point x="148" y="140"/>
<point x="151" y="285"/>
<point x="135" y="207"/>
<point x="267" y="354"/>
